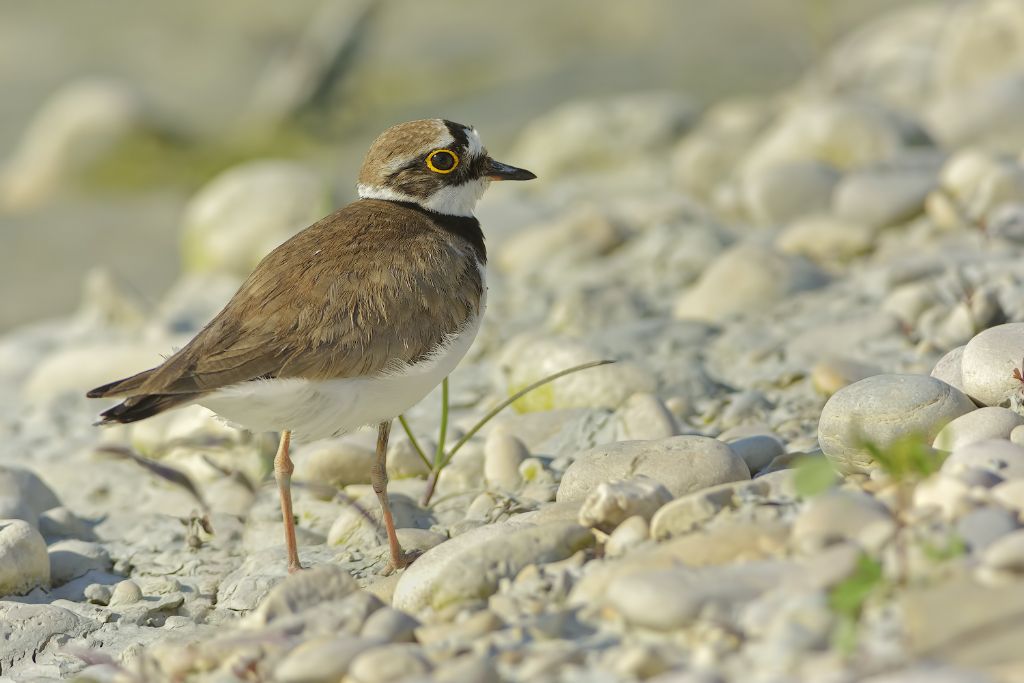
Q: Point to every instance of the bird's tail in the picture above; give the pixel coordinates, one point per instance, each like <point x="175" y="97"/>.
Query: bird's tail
<point x="135" y="408"/>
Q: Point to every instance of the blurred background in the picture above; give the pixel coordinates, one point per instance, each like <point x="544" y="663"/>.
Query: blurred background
<point x="114" y="113"/>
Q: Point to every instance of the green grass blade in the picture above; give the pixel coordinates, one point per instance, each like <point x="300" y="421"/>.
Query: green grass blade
<point x="442" y="437"/>
<point x="512" y="399"/>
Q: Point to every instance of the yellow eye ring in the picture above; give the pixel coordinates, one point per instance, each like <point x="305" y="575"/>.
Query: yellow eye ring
<point x="435" y="169"/>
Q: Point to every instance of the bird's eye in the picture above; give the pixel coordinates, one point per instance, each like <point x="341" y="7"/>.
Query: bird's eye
<point x="442" y="161"/>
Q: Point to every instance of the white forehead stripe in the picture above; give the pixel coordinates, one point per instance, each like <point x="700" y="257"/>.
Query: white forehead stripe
<point x="476" y="147"/>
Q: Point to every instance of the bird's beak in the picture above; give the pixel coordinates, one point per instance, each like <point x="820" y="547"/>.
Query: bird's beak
<point x="495" y="170"/>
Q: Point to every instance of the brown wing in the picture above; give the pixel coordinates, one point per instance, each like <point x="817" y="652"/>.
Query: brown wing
<point x="367" y="287"/>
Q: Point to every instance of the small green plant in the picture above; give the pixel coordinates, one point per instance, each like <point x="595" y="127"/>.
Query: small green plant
<point x="848" y="598"/>
<point x="441" y="456"/>
<point x="813" y="476"/>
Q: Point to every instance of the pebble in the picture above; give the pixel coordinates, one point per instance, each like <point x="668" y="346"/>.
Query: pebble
<point x="839" y="515"/>
<point x="757" y="450"/>
<point x="686" y="513"/>
<point x="336" y="462"/>
<point x="1006" y="553"/>
<point x="21" y="490"/>
<point x="746" y="278"/>
<point x="948" y="368"/>
<point x="644" y="416"/>
<point x="243" y="213"/>
<point x="999" y="456"/>
<point x="71" y="558"/>
<point x="503" y="456"/>
<point x="468" y="668"/>
<point x="668" y="599"/>
<point x="388" y="663"/>
<point x="24" y="563"/>
<point x="882" y="409"/>
<point x="629" y="534"/>
<point x="682" y="464"/>
<point x="825" y="238"/>
<point x="980" y="528"/>
<point x="931" y="674"/>
<point x="530" y="357"/>
<point x="832" y="374"/>
<point x="978" y="425"/>
<point x="126" y="592"/>
<point x="1010" y="494"/>
<point x="98" y="594"/>
<point x="322" y="660"/>
<point x="782" y="192"/>
<point x="949" y="494"/>
<point x="612" y="502"/>
<point x="988" y="362"/>
<point x="303" y="590"/>
<point x="882" y="197"/>
<point x="390" y="625"/>
<point x="468" y="567"/>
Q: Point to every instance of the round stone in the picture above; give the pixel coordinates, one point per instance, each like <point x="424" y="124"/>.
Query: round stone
<point x="882" y="409"/>
<point x="503" y="455"/>
<point x="24" y="563"/>
<point x="780" y="193"/>
<point x="126" y="592"/>
<point x="988" y="363"/>
<point x="978" y="425"/>
<point x="612" y="502"/>
<point x="840" y="515"/>
<point x="948" y="368"/>
<point x="1000" y="456"/>
<point x="682" y="464"/>
<point x="335" y="462"/>
<point x="398" y="661"/>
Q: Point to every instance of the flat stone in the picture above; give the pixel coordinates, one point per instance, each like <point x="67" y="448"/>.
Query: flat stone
<point x="988" y="362"/>
<point x="686" y="513"/>
<point x="72" y="558"/>
<point x="336" y="462"/>
<point x="322" y="660"/>
<point x="304" y="589"/>
<point x="390" y="625"/>
<point x="982" y="527"/>
<point x="882" y="197"/>
<point x="682" y="464"/>
<point x="388" y="663"/>
<point x="24" y="563"/>
<point x="782" y="192"/>
<point x="757" y="450"/>
<point x="882" y="409"/>
<point x="28" y="630"/>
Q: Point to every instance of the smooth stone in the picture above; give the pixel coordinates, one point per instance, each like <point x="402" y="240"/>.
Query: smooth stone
<point x="239" y="216"/>
<point x="746" y="278"/>
<point x="303" y="590"/>
<point x="390" y="625"/>
<point x="934" y="673"/>
<point x="949" y="494"/>
<point x="388" y="663"/>
<point x="98" y="593"/>
<point x="832" y="374"/>
<point x="686" y="513"/>
<point x="1000" y="456"/>
<point x="629" y="534"/>
<point x="982" y="527"/>
<point x="644" y="416"/>
<point x="469" y="668"/>
<point x="67" y="370"/>
<point x="360" y="524"/>
<point x="531" y="357"/>
<point x="978" y="425"/>
<point x="882" y="197"/>
<point x="986" y="114"/>
<point x="322" y="660"/>
<point x="459" y="633"/>
<point x="24" y="563"/>
<point x="503" y="455"/>
<point x="126" y="592"/>
<point x="883" y="409"/>
<point x="60" y="522"/>
<point x="844" y="133"/>
<point x="335" y="462"/>
<point x="682" y="464"/>
<point x="612" y="502"/>
<point x="826" y="238"/>
<point x="757" y="450"/>
<point x="668" y="599"/>
<point x="948" y="368"/>
<point x="780" y="193"/>
<point x="840" y="515"/>
<point x="72" y="558"/>
<point x="469" y="567"/>
<point x="1010" y="494"/>
<point x="26" y="491"/>
<point x="988" y="362"/>
<point x="1006" y="553"/>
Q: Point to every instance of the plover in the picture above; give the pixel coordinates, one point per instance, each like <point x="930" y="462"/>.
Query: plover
<point x="353" y="320"/>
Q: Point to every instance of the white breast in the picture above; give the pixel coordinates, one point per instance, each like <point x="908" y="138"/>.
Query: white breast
<point x="319" y="409"/>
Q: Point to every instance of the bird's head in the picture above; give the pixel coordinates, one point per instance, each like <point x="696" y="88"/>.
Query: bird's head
<point x="437" y="164"/>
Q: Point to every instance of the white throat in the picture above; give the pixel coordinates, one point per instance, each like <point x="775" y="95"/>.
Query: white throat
<point x="458" y="200"/>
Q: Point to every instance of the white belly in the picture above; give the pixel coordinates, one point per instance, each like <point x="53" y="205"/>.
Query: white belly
<point x="316" y="409"/>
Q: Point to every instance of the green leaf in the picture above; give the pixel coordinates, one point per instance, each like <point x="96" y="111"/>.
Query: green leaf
<point x="847" y="598"/>
<point x="814" y="475"/>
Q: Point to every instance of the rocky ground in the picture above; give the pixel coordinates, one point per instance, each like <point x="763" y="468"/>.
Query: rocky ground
<point x="807" y="463"/>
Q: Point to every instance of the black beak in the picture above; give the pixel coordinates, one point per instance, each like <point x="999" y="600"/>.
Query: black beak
<point x="495" y="170"/>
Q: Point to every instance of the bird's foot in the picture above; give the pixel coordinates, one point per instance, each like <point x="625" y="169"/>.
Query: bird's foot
<point x="403" y="560"/>
<point x="294" y="568"/>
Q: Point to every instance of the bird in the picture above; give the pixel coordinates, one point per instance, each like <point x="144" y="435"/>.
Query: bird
<point x="351" y="321"/>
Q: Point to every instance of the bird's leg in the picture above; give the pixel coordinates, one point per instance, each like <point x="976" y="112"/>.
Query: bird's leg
<point x="283" y="469"/>
<point x="379" y="479"/>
